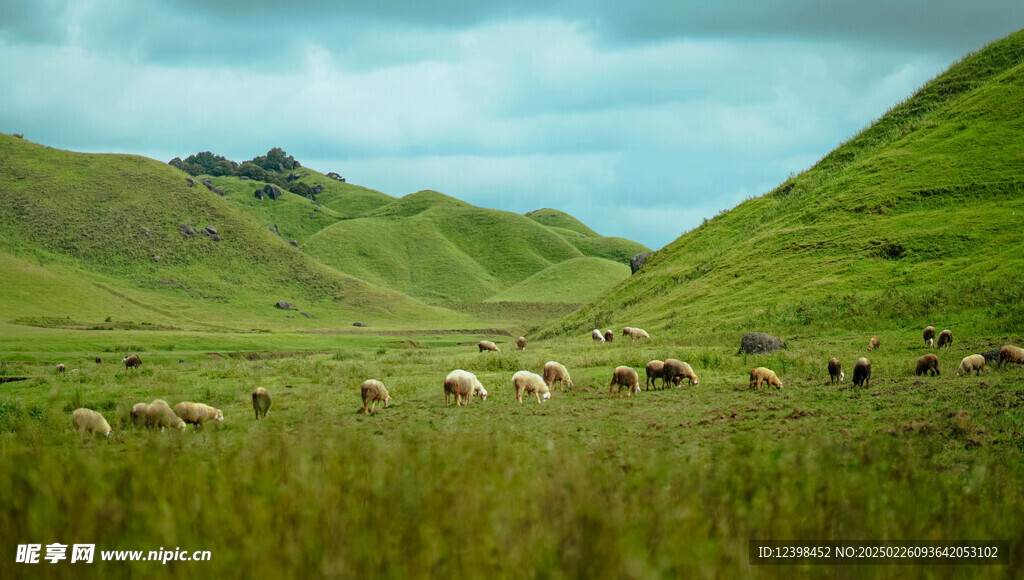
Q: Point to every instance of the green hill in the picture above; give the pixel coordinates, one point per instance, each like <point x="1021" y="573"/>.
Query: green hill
<point x="575" y="280"/>
<point x="430" y="245"/>
<point x="586" y="240"/>
<point x="134" y="225"/>
<point x="916" y="220"/>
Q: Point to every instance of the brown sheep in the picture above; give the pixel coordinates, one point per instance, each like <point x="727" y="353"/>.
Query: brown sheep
<point x="625" y="377"/>
<point x="89" y="421"/>
<point x="873" y="343"/>
<point x="463" y="385"/>
<point x="99" y="360"/>
<point x="764" y="375"/>
<point x="675" y="371"/>
<point x="609" y="335"/>
<point x="655" y="371"/>
<point x="131" y="361"/>
<point x="929" y="335"/>
<point x="161" y="415"/>
<point x="521" y="342"/>
<point x="862" y="372"/>
<point x="625" y="330"/>
<point x="60" y="368"/>
<point x="527" y="382"/>
<point x="261" y="402"/>
<point x="835" y="371"/>
<point x="945" y="338"/>
<point x="197" y="413"/>
<point x="140" y="415"/>
<point x="638" y="333"/>
<point x="974" y="362"/>
<point x="555" y="372"/>
<point x="596" y="335"/>
<point x="1010" y="354"/>
<point x="927" y="363"/>
<point x="487" y="345"/>
<point x="373" y="391"/>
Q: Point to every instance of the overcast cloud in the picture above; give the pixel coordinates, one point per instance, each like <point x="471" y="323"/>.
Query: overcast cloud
<point x="640" y="118"/>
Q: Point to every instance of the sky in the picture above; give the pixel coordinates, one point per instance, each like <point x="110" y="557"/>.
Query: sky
<point x="640" y="118"/>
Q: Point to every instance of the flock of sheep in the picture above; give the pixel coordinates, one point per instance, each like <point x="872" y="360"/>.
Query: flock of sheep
<point x="464" y="385"/>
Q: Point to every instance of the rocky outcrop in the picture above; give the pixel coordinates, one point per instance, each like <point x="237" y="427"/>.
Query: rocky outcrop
<point x="637" y="261"/>
<point x="759" y="343"/>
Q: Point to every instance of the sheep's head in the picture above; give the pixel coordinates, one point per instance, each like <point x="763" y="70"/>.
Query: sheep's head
<point x="219" y="416"/>
<point x="931" y="342"/>
<point x="696" y="381"/>
<point x="180" y="426"/>
<point x="387" y="401"/>
<point x="479" y="390"/>
<point x="842" y="376"/>
<point x="545" y="396"/>
<point x="107" y="432"/>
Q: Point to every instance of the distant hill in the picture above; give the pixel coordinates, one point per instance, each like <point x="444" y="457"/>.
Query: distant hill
<point x="586" y="240"/>
<point x="916" y="220"/>
<point x="575" y="280"/>
<point x="132" y="228"/>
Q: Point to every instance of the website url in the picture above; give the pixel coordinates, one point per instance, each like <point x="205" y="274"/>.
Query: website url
<point x="162" y="556"/>
<point x="85" y="553"/>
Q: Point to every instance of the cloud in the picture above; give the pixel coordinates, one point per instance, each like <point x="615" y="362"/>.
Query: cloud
<point x="513" y="108"/>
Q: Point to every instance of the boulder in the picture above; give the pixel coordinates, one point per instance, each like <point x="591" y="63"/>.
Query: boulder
<point x="992" y="356"/>
<point x="272" y="191"/>
<point x="284" y="305"/>
<point x="637" y="261"/>
<point x="191" y="182"/>
<point x="306" y="314"/>
<point x="759" y="343"/>
<point x="243" y="178"/>
<point x="293" y="243"/>
<point x="359" y="324"/>
<point x="187" y="230"/>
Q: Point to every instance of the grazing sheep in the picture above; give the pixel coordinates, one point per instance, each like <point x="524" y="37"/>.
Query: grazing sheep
<point x="487" y="345"/>
<point x="655" y="371"/>
<point x="1010" y="354"/>
<point x="835" y="371"/>
<point x="527" y="382"/>
<point x="992" y="357"/>
<point x="198" y="413"/>
<point x="596" y="335"/>
<point x="609" y="335"/>
<point x="161" y="415"/>
<point x="625" y="377"/>
<point x="927" y="363"/>
<point x="463" y="385"/>
<point x="974" y="362"/>
<point x="873" y="343"/>
<point x="929" y="335"/>
<point x="373" y="391"/>
<point x="625" y="330"/>
<point x="60" y="368"/>
<point x="862" y="372"/>
<point x="140" y="415"/>
<point x="98" y="360"/>
<point x="521" y="342"/>
<point x="554" y="372"/>
<point x="87" y="420"/>
<point x="945" y="338"/>
<point x="638" y="333"/>
<point x="261" y="402"/>
<point x="131" y="361"/>
<point x="764" y="375"/>
<point x="676" y="370"/>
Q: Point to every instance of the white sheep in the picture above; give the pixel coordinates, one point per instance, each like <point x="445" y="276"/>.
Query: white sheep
<point x="556" y="372"/>
<point x="596" y="335"/>
<point x="373" y="391"/>
<point x="463" y="385"/>
<point x="198" y="413"/>
<point x="527" y="382"/>
<point x="974" y="363"/>
<point x="521" y="342"/>
<point x="487" y="345"/>
<point x="87" y="420"/>
<point x="625" y="377"/>
<point x="140" y="414"/>
<point x="261" y="402"/>
<point x="161" y="415"/>
<point x="638" y="333"/>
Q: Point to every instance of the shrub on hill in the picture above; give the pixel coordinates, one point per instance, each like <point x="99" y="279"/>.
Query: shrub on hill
<point x="269" y="168"/>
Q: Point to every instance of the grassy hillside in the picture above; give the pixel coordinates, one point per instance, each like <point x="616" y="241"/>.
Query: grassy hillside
<point x="576" y="280"/>
<point x="430" y="245"/>
<point x="586" y="240"/>
<point x="119" y="217"/>
<point x="345" y="199"/>
<point x="914" y="221"/>
<point x="291" y="216"/>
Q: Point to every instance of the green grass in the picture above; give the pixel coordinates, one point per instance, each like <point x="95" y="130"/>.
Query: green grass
<point x="290" y="216"/>
<point x="586" y="240"/>
<point x="667" y="483"/>
<point x="575" y="281"/>
<point x="914" y="221"/>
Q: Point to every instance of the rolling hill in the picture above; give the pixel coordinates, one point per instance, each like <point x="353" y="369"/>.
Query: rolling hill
<point x="435" y="247"/>
<point x="916" y="220"/>
<point x="586" y="240"/>
<point x="133" y="227"/>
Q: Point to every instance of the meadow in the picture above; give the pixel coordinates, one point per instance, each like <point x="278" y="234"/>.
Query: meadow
<point x="668" y="482"/>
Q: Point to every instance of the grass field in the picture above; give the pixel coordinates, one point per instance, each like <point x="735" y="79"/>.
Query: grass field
<point x="668" y="482"/>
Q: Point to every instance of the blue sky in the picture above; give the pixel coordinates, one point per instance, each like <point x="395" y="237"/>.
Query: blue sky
<point x="640" y="118"/>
